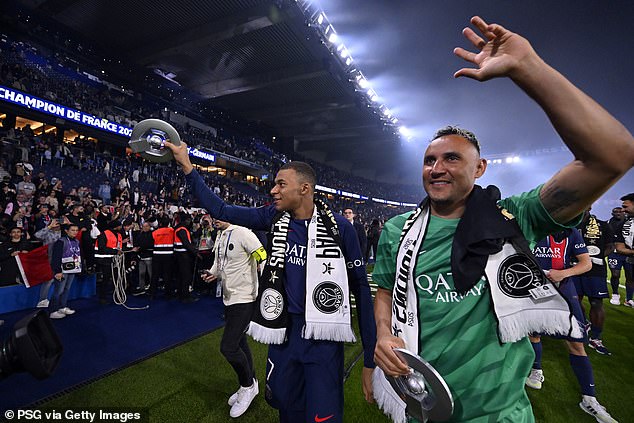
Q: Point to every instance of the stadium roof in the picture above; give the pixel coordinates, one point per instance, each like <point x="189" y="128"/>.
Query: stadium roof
<point x="259" y="59"/>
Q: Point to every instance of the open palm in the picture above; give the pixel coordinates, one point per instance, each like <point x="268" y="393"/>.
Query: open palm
<point x="501" y="51"/>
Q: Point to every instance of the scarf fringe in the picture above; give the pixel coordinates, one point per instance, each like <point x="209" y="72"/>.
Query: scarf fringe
<point x="514" y="327"/>
<point x="388" y="401"/>
<point x="266" y="335"/>
<point x="329" y="332"/>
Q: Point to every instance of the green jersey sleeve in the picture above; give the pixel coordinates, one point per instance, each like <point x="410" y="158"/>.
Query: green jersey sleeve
<point x="533" y="219"/>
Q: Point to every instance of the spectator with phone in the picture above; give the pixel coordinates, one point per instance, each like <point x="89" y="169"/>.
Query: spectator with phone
<point x="49" y="235"/>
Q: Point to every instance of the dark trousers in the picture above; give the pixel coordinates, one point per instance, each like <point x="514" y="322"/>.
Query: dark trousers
<point x="234" y="346"/>
<point x="105" y="285"/>
<point x="185" y="264"/>
<point x="162" y="268"/>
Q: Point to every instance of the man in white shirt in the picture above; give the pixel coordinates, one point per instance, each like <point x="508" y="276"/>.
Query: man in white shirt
<point x="237" y="254"/>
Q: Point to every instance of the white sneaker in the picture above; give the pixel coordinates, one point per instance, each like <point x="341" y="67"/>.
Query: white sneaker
<point x="42" y="304"/>
<point x="66" y="311"/>
<point x="245" y="397"/>
<point x="535" y="379"/>
<point x="591" y="406"/>
<point x="616" y="299"/>
<point x="57" y="315"/>
<point x="629" y="303"/>
<point x="233" y="398"/>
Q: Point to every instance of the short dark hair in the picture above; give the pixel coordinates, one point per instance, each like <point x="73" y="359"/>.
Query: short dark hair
<point x="455" y="130"/>
<point x="628" y="197"/>
<point x="304" y="170"/>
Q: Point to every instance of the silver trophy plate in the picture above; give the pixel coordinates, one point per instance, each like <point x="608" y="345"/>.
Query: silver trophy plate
<point x="426" y="395"/>
<point x="148" y="139"/>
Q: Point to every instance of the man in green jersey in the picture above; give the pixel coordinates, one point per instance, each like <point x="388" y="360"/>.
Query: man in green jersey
<point x="457" y="328"/>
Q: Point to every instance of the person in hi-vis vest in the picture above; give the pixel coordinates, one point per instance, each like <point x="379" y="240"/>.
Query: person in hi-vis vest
<point x="107" y="246"/>
<point x="163" y="257"/>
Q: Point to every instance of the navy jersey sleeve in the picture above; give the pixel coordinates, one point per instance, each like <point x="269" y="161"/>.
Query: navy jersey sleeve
<point x="358" y="282"/>
<point x="578" y="243"/>
<point x="254" y="218"/>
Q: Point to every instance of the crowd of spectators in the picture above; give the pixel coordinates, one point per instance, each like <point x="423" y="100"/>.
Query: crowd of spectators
<point x="30" y="69"/>
<point x="45" y="177"/>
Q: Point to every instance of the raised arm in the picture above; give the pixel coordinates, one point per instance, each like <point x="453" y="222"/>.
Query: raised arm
<point x="603" y="148"/>
<point x="254" y="218"/>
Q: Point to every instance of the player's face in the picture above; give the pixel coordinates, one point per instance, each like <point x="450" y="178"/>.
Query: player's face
<point x="628" y="207"/>
<point x="450" y="167"/>
<point x="287" y="192"/>
<point x="618" y="213"/>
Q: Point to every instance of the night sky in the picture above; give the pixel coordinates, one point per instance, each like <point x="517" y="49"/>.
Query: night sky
<point x="405" y="50"/>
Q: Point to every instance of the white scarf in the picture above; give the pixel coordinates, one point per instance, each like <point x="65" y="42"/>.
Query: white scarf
<point x="327" y="307"/>
<point x="327" y="294"/>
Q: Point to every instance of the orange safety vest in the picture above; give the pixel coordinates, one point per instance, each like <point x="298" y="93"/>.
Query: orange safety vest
<point x="163" y="241"/>
<point x="178" y="245"/>
<point x="112" y="241"/>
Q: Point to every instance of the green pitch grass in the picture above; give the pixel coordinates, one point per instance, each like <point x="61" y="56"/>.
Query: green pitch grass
<point x="191" y="383"/>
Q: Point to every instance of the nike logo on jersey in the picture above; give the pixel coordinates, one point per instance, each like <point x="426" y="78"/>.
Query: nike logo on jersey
<point x="422" y="252"/>
<point x="602" y="293"/>
<point x="323" y="419"/>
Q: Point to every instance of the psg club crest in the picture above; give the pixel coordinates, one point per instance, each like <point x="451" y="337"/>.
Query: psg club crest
<point x="272" y="304"/>
<point x="518" y="274"/>
<point x="327" y="297"/>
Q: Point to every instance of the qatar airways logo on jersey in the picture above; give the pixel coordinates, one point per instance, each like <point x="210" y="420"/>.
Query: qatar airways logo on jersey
<point x="548" y="252"/>
<point x="438" y="288"/>
<point x="296" y="254"/>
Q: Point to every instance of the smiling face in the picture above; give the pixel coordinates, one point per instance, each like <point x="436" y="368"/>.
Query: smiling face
<point x="288" y="190"/>
<point x="450" y="167"/>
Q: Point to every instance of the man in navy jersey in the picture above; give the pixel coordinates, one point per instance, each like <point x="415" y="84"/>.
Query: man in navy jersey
<point x="555" y="255"/>
<point x="616" y="261"/>
<point x="304" y="373"/>
<point x="624" y="243"/>
<point x="600" y="242"/>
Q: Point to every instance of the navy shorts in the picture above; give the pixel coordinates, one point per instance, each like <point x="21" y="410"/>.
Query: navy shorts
<point x="304" y="377"/>
<point x="591" y="286"/>
<point x="616" y="262"/>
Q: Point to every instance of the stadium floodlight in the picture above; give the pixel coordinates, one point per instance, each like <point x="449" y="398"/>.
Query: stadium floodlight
<point x="348" y="60"/>
<point x="363" y="83"/>
<point x="332" y="34"/>
<point x="372" y="94"/>
<point x="387" y="112"/>
<point x="516" y="159"/>
<point x="343" y="51"/>
<point x="405" y="131"/>
<point x="321" y="18"/>
<point x="509" y="160"/>
<point x="395" y="120"/>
